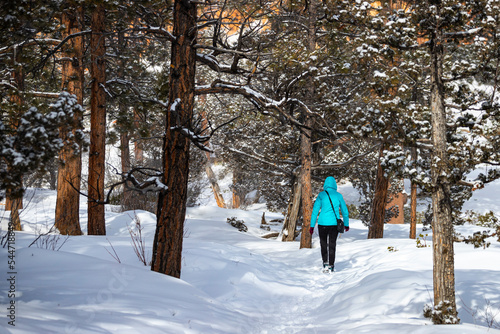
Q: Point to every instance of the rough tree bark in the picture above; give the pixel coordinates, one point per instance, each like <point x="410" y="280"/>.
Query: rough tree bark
<point x="96" y="223"/>
<point x="236" y="199"/>
<point x="13" y="202"/>
<point x="67" y="216"/>
<point x="305" y="180"/>
<point x="305" y="138"/>
<point x="214" y="184"/>
<point x="396" y="199"/>
<point x="376" y="229"/>
<point x="442" y="223"/>
<point x="167" y="246"/>
<point x="290" y="223"/>
<point x="413" y="199"/>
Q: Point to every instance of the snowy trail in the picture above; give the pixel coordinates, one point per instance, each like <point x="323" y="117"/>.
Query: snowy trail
<point x="285" y="289"/>
<point x="280" y="288"/>
<point x="234" y="282"/>
<point x="293" y="287"/>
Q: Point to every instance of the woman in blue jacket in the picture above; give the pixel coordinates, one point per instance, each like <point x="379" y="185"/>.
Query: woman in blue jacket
<point x="327" y="220"/>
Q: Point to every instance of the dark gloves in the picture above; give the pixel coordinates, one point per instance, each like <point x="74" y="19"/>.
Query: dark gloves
<point x="347" y="228"/>
<point x="311" y="230"/>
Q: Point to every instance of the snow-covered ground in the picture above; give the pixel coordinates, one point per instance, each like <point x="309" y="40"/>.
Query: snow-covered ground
<point x="236" y="282"/>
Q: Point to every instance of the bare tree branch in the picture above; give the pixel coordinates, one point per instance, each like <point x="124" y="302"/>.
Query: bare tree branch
<point x="260" y="101"/>
<point x="152" y="184"/>
<point x="41" y="64"/>
<point x="36" y="41"/>
<point x="474" y="185"/>
<point x="258" y="158"/>
<point x="347" y="162"/>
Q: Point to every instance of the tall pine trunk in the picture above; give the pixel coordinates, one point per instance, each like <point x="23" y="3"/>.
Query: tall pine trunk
<point x="376" y="229"/>
<point x="442" y="223"/>
<point x="305" y="180"/>
<point x="14" y="201"/>
<point x="67" y="216"/>
<point x="96" y="222"/>
<point x="167" y="246"/>
<point x="305" y="138"/>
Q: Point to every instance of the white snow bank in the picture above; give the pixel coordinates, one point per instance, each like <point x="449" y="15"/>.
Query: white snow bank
<point x="235" y="282"/>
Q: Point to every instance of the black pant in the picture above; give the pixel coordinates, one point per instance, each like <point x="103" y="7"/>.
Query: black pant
<point x="328" y="240"/>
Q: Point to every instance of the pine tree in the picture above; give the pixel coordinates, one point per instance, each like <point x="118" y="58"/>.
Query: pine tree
<point x="97" y="150"/>
<point x="24" y="35"/>
<point x="455" y="35"/>
<point x="67" y="218"/>
<point x="167" y="246"/>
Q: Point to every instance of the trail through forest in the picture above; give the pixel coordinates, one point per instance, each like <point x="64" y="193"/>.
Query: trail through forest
<point x="238" y="282"/>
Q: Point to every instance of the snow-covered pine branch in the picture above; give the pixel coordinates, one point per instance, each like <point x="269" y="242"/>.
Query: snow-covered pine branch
<point x="48" y="95"/>
<point x="347" y="162"/>
<point x="152" y="183"/>
<point x="261" y="159"/>
<point x="37" y="140"/>
<point x="196" y="139"/>
<point x="260" y="101"/>
<point x="130" y="182"/>
<point x="30" y="42"/>
<point x="213" y="63"/>
<point x="231" y="51"/>
<point x="462" y="34"/>
<point x="156" y="31"/>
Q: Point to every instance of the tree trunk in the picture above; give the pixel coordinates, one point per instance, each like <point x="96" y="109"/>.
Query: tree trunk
<point x="138" y="146"/>
<point x="305" y="180"/>
<point x="67" y="216"/>
<point x="396" y="199"/>
<point x="9" y="202"/>
<point x="442" y="223"/>
<point x="219" y="199"/>
<point x="305" y="138"/>
<point x="13" y="202"/>
<point x="167" y="246"/>
<point x="413" y="199"/>
<point x="376" y="229"/>
<point x="236" y="202"/>
<point x="215" y="186"/>
<point x="290" y="223"/>
<point x="15" y="220"/>
<point x="96" y="223"/>
<point x="126" y="199"/>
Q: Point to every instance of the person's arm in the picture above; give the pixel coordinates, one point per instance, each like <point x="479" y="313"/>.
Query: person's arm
<point x="345" y="212"/>
<point x="315" y="211"/>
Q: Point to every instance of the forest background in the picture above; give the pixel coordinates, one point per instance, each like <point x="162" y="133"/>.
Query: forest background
<point x="280" y="93"/>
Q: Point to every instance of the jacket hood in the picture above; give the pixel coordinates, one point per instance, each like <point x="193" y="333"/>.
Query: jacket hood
<point x="330" y="183"/>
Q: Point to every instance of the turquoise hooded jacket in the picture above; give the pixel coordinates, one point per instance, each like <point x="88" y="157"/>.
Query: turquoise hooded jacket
<point x="324" y="208"/>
